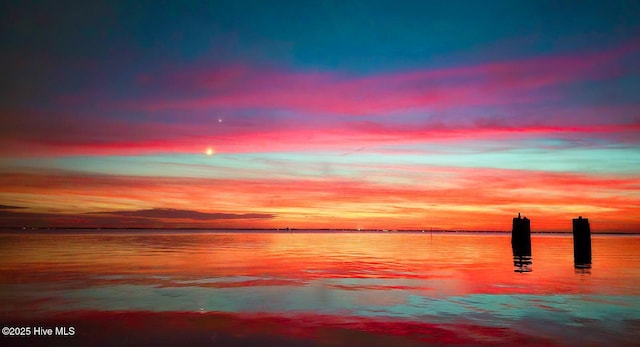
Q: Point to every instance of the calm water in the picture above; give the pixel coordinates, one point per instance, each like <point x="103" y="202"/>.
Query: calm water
<point x="444" y="280"/>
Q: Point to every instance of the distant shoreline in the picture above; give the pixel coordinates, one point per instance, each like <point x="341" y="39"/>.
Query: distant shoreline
<point x="291" y="231"/>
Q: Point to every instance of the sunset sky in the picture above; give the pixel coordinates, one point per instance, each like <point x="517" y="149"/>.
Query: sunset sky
<point x="320" y="114"/>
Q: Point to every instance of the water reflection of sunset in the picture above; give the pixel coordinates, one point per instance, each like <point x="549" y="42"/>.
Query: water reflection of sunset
<point x="370" y="281"/>
<point x="431" y="262"/>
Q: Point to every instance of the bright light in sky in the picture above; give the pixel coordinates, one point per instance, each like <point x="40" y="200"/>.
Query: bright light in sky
<point x="209" y="151"/>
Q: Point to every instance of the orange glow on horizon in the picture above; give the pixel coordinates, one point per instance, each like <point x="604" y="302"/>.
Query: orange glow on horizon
<point x="325" y="203"/>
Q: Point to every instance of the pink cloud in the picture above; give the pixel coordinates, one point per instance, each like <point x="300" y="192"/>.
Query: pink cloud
<point x="501" y="83"/>
<point x="50" y="134"/>
<point x="196" y="140"/>
<point x="174" y="113"/>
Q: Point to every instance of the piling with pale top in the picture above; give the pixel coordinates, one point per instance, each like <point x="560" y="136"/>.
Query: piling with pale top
<point x="521" y="236"/>
<point x="581" y="243"/>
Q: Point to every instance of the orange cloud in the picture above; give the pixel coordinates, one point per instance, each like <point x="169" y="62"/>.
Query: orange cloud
<point x="449" y="198"/>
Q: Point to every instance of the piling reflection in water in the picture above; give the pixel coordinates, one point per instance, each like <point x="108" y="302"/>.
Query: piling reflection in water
<point x="522" y="263"/>
<point x="582" y="270"/>
<point x="521" y="244"/>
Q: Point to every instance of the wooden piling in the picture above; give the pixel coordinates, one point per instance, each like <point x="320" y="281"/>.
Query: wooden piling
<point x="581" y="243"/>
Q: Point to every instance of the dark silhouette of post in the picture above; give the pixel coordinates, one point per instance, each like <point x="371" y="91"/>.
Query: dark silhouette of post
<point x="581" y="243"/>
<point x="521" y="236"/>
<point x="521" y="243"/>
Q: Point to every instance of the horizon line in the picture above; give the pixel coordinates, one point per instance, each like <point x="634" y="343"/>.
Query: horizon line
<point x="304" y="230"/>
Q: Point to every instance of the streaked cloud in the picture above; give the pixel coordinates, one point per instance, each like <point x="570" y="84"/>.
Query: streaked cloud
<point x="170" y="213"/>
<point x="387" y="197"/>
<point x="502" y="83"/>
